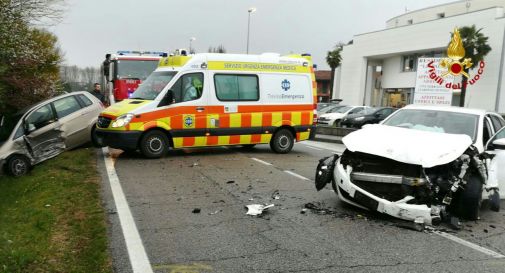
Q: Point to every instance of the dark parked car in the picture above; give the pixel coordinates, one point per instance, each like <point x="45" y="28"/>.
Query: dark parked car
<point x="367" y="116"/>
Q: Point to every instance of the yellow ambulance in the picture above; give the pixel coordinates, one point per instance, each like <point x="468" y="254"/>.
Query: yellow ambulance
<point x="213" y="100"/>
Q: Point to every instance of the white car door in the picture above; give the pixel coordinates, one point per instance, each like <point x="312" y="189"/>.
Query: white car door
<point x="496" y="147"/>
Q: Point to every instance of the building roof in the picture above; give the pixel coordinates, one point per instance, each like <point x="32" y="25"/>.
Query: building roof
<point x="322" y="75"/>
<point x="442" y="11"/>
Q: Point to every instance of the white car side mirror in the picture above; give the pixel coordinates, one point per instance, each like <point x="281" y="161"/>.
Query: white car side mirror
<point x="499" y="144"/>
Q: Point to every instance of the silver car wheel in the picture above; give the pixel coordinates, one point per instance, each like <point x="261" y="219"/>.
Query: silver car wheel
<point x="19" y="167"/>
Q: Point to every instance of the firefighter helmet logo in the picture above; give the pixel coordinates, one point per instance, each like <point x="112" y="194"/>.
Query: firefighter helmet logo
<point x="456" y="52"/>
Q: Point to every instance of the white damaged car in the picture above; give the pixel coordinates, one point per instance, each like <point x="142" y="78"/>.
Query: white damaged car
<point x="423" y="164"/>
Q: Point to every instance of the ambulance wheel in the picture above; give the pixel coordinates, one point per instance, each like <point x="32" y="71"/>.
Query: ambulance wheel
<point x="282" y="142"/>
<point x="154" y="144"/>
<point x="18" y="165"/>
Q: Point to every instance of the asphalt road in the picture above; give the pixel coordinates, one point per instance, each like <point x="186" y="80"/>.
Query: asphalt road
<point x="163" y="195"/>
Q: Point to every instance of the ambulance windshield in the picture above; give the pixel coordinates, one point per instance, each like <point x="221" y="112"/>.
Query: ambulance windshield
<point x="152" y="86"/>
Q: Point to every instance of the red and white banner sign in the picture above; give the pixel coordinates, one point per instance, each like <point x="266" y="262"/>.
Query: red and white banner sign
<point x="430" y="86"/>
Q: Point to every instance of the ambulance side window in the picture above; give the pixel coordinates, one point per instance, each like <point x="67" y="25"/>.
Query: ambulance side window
<point x="188" y="87"/>
<point x="236" y="87"/>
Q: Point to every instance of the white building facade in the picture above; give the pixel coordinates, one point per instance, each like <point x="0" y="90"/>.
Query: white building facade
<point x="379" y="68"/>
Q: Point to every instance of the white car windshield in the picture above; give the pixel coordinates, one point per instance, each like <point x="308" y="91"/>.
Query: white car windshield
<point x="342" y="109"/>
<point x="152" y="86"/>
<point x="366" y="111"/>
<point x="436" y="121"/>
<point x="328" y="109"/>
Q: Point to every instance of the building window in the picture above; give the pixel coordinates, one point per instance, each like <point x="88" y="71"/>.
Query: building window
<point x="438" y="54"/>
<point x="441" y="15"/>
<point x="409" y="63"/>
<point x="431" y="54"/>
<point x="410" y="22"/>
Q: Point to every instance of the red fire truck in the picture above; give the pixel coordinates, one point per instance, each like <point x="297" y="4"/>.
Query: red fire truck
<point x="125" y="70"/>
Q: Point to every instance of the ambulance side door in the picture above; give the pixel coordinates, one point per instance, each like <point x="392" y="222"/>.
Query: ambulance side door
<point x="190" y="108"/>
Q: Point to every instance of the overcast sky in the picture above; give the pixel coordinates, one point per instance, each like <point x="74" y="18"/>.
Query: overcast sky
<point x="92" y="28"/>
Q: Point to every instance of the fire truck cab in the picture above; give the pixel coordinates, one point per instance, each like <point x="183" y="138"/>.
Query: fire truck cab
<point x="125" y="70"/>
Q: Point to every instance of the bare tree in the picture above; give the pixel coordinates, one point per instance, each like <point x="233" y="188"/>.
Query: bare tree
<point x="218" y="49"/>
<point x="90" y="74"/>
<point x="75" y="78"/>
<point x="46" y="12"/>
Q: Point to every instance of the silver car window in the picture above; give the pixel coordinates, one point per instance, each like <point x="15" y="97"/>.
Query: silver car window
<point x="66" y="106"/>
<point x="499" y="135"/>
<point x="40" y="117"/>
<point x="87" y="102"/>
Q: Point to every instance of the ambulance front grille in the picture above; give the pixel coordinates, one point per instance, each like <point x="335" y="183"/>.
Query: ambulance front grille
<point x="103" y="122"/>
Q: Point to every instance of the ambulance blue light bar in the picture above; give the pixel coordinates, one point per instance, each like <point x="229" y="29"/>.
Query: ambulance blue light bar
<point x="136" y="52"/>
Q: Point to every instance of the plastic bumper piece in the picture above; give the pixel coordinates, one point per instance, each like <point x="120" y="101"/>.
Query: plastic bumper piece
<point x="352" y="194"/>
<point x="124" y="140"/>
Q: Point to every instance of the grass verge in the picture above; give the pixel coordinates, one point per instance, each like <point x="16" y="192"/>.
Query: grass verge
<point x="52" y="219"/>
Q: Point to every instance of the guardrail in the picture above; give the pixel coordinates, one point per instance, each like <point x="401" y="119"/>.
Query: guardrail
<point x="335" y="131"/>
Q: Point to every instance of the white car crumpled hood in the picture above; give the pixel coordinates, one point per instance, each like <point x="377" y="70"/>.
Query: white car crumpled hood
<point x="411" y="146"/>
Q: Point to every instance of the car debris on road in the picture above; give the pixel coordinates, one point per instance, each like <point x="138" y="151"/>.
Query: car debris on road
<point x="275" y="195"/>
<point x="257" y="209"/>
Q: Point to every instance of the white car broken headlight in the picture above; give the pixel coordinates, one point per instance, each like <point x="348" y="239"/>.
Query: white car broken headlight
<point x="122" y="121"/>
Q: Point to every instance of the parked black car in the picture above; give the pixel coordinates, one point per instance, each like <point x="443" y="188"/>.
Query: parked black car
<point x="374" y="115"/>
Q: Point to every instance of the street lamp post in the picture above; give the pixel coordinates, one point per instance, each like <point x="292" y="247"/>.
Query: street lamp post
<point x="251" y="10"/>
<point x="190" y="41"/>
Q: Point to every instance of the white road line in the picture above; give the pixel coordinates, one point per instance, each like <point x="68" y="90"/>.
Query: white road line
<point x="261" y="161"/>
<point x="470" y="245"/>
<point x="286" y="171"/>
<point x="138" y="256"/>
<point x="313" y="148"/>
<point x="296" y="175"/>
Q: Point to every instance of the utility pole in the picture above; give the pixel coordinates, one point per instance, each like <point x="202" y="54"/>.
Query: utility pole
<point x="251" y="10"/>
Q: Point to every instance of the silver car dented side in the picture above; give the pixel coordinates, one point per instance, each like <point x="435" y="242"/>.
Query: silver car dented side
<point x="37" y="147"/>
